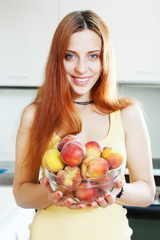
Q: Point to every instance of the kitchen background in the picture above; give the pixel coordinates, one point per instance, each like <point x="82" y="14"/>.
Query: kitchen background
<point x="26" y="32"/>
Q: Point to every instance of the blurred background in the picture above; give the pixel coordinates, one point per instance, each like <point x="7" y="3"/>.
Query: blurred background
<point x="26" y="29"/>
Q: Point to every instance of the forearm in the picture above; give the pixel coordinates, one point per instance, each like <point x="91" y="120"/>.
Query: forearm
<point x="32" y="195"/>
<point x="138" y="194"/>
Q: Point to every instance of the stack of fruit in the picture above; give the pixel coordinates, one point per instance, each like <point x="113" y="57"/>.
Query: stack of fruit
<point x="83" y="172"/>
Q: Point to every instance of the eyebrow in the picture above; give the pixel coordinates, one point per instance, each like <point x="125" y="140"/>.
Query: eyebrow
<point x="88" y="52"/>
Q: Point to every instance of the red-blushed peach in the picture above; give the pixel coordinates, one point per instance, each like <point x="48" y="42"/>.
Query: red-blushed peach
<point x="73" y="152"/>
<point x="86" y="192"/>
<point x="70" y="176"/>
<point x="92" y="167"/>
<point x="107" y="182"/>
<point x="66" y="139"/>
<point x="52" y="161"/>
<point x="93" y="148"/>
<point x="113" y="157"/>
<point x="68" y="192"/>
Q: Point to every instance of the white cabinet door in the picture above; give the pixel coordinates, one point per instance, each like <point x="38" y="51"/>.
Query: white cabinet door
<point x="26" y="30"/>
<point x="136" y="37"/>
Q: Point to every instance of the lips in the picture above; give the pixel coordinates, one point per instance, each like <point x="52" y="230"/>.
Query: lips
<point x="81" y="80"/>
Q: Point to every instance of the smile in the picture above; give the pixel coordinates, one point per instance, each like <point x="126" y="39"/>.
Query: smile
<point x="81" y="81"/>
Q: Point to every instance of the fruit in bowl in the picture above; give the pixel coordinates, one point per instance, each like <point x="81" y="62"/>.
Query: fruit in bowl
<point x="93" y="148"/>
<point x="73" y="152"/>
<point x="52" y="161"/>
<point x="66" y="139"/>
<point x="94" y="167"/>
<point x="86" y="192"/>
<point x="80" y="189"/>
<point x="70" y="176"/>
<point x="86" y="172"/>
<point x="113" y="157"/>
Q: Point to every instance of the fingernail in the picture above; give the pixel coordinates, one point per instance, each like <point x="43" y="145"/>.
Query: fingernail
<point x="120" y="181"/>
<point x="100" y="199"/>
<point x="108" y="195"/>
<point x="94" y="204"/>
<point x="69" y="201"/>
<point x="59" y="194"/>
<point x="82" y="206"/>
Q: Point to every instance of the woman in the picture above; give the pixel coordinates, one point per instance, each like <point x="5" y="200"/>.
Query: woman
<point x="79" y="97"/>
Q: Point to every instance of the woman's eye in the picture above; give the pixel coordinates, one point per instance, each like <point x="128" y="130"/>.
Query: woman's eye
<point x="68" y="56"/>
<point x="94" y="56"/>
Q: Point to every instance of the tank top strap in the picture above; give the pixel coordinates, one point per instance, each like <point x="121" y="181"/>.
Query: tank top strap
<point x="116" y="126"/>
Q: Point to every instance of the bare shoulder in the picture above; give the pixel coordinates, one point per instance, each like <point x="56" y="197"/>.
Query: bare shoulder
<point x="132" y="117"/>
<point x="28" y="116"/>
<point x="131" y="112"/>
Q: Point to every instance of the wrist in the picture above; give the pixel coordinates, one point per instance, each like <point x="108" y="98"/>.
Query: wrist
<point x="120" y="193"/>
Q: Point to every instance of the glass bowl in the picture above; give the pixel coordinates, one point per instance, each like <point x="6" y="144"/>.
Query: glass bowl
<point x="84" y="190"/>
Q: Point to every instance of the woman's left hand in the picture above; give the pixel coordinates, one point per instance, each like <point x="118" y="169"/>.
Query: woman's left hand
<point x="109" y="197"/>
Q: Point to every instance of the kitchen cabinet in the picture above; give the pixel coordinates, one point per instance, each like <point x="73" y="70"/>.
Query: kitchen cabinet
<point x="136" y="37"/>
<point x="145" y="222"/>
<point x="26" y="29"/>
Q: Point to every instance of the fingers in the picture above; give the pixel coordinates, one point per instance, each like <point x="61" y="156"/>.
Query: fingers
<point x="108" y="198"/>
<point x="55" y="196"/>
<point x="77" y="206"/>
<point x="44" y="182"/>
<point x="104" y="201"/>
<point x="119" y="183"/>
<point x="95" y="204"/>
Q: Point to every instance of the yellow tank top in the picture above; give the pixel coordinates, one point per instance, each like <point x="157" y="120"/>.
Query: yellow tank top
<point x="62" y="223"/>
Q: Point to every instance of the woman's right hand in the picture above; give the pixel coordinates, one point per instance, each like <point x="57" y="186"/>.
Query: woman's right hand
<point x="57" y="197"/>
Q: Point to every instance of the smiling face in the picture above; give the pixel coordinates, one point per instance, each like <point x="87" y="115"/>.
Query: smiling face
<point x="82" y="63"/>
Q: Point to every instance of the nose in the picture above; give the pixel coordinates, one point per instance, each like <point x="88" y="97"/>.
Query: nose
<point x="81" y="66"/>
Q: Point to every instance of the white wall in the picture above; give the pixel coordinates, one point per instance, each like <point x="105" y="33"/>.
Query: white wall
<point x="12" y="103"/>
<point x="149" y="96"/>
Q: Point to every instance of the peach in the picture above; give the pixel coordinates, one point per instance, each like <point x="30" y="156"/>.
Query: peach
<point x="52" y="161"/>
<point x="73" y="152"/>
<point x="67" y="191"/>
<point x="107" y="182"/>
<point x="93" y="148"/>
<point x="94" y="167"/>
<point x="66" y="139"/>
<point x="70" y="176"/>
<point x="86" y="192"/>
<point x="113" y="157"/>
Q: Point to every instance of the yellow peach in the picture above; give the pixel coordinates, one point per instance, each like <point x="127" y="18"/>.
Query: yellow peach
<point x="52" y="161"/>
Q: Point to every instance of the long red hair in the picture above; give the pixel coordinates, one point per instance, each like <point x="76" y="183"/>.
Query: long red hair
<point x="54" y="104"/>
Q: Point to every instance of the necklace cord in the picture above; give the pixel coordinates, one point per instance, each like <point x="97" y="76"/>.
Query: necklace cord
<point x="84" y="103"/>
